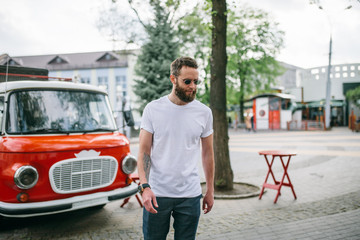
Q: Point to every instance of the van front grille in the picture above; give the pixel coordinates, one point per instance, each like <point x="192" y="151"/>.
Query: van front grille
<point x="83" y="174"/>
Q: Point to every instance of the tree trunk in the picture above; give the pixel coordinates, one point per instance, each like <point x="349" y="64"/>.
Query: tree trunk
<point x="223" y="172"/>
<point x="242" y="96"/>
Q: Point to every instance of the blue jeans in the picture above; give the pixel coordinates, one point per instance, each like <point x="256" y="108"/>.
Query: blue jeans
<point x="186" y="214"/>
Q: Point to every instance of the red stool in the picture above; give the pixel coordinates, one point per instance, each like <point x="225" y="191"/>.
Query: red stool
<point x="135" y="178"/>
<point x="277" y="185"/>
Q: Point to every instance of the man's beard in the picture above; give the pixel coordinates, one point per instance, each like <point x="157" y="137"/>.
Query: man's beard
<point x="183" y="95"/>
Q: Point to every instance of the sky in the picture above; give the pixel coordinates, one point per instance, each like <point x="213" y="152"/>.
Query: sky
<point x="40" y="27"/>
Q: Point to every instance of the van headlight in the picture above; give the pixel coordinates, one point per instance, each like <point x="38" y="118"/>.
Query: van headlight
<point x="26" y="177"/>
<point x="129" y="164"/>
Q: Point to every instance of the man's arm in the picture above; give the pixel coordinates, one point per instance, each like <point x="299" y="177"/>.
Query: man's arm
<point x="144" y="164"/>
<point x="209" y="169"/>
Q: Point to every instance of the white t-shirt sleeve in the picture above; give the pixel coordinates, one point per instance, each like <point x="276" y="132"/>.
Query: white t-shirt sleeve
<point x="208" y="130"/>
<point x="145" y="120"/>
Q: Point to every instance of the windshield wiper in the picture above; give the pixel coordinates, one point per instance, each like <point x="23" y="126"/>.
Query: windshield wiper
<point x="47" y="130"/>
<point x="99" y="130"/>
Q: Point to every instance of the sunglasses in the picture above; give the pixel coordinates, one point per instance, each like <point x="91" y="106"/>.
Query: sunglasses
<point x="188" y="81"/>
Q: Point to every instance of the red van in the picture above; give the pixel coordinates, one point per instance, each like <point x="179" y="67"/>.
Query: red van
<point x="60" y="149"/>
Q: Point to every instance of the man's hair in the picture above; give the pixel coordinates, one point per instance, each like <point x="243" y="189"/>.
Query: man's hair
<point x="180" y="62"/>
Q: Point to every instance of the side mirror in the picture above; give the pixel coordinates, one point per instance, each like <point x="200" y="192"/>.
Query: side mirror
<point x="129" y="119"/>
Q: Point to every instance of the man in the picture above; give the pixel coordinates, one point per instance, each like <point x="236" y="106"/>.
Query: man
<point x="172" y="129"/>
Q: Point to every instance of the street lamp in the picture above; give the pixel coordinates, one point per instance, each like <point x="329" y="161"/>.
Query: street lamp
<point x="328" y="82"/>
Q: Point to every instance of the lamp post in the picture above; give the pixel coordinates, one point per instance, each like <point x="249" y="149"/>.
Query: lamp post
<point x="328" y="82"/>
<point x="328" y="89"/>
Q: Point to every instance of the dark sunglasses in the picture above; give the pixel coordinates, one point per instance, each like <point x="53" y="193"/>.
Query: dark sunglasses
<point x="188" y="81"/>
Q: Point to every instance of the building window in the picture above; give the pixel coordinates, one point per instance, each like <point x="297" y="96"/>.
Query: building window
<point x="121" y="84"/>
<point x="85" y="80"/>
<point x="345" y="75"/>
<point x="314" y="71"/>
<point x="344" y="68"/>
<point x="337" y="69"/>
<point x="317" y="77"/>
<point x="352" y="68"/>
<point x="352" y="74"/>
<point x="103" y="83"/>
<point x="57" y="60"/>
<point x="11" y="62"/>
<point x="337" y="75"/>
<point x="323" y="70"/>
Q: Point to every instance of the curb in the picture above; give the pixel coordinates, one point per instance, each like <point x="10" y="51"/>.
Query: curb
<point x="239" y="196"/>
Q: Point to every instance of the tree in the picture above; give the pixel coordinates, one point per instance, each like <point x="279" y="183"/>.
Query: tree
<point x="253" y="42"/>
<point x="223" y="173"/>
<point x="153" y="64"/>
<point x="195" y="40"/>
<point x="354" y="95"/>
<point x="152" y="26"/>
<point x="120" y="26"/>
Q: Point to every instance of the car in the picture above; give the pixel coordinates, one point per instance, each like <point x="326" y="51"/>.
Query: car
<point x="60" y="149"/>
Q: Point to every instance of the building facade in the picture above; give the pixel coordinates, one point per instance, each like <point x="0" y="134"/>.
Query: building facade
<point x="310" y="90"/>
<point x="114" y="72"/>
<point x="110" y="70"/>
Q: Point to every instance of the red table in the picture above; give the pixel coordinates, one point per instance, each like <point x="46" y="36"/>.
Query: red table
<point x="285" y="157"/>
<point x="135" y="178"/>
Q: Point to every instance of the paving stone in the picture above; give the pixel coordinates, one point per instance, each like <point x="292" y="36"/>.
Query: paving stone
<point x="324" y="174"/>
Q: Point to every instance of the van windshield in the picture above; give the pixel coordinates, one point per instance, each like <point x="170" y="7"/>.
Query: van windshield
<point x="58" y="111"/>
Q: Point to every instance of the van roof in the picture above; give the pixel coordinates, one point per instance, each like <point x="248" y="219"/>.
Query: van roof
<point x="16" y="85"/>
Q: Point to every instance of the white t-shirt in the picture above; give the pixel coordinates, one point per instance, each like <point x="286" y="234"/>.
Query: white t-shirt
<point x="175" y="151"/>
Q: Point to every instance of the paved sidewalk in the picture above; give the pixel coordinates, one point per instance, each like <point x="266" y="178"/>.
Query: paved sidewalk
<point x="325" y="175"/>
<point x="326" y="181"/>
<point x="338" y="226"/>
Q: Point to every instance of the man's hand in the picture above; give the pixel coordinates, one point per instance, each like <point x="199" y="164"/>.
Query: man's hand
<point x="208" y="202"/>
<point x="149" y="200"/>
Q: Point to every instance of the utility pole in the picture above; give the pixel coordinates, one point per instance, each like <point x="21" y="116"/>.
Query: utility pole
<point x="328" y="89"/>
<point x="328" y="81"/>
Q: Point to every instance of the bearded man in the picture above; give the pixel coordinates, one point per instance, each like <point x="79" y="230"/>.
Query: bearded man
<point x="172" y="129"/>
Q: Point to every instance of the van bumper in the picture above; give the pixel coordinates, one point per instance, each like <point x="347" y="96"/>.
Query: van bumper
<point x="20" y="210"/>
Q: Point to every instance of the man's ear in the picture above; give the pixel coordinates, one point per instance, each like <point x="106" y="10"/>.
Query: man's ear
<point x="173" y="79"/>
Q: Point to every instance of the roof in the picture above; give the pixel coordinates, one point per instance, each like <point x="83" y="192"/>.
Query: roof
<point x="3" y="59"/>
<point x="23" y="70"/>
<point x="289" y="66"/>
<point x="9" y="86"/>
<point x="279" y="95"/>
<point x="71" y="61"/>
<point x="322" y="103"/>
<point x="14" y="73"/>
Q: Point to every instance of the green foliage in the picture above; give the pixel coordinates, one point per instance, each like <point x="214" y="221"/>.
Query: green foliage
<point x="153" y="64"/>
<point x="354" y="95"/>
<point x="194" y="33"/>
<point x="253" y="41"/>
